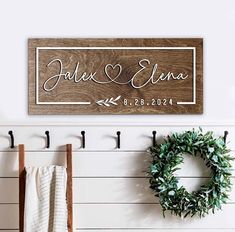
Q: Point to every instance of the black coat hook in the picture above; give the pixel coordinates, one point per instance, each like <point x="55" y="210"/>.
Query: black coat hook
<point x="225" y="136"/>
<point x="83" y="139"/>
<point x="12" y="139"/>
<point x="118" y="139"/>
<point x="48" y="139"/>
<point x="154" y="138"/>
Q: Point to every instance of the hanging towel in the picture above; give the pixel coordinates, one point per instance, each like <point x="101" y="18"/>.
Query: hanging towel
<point x="45" y="199"/>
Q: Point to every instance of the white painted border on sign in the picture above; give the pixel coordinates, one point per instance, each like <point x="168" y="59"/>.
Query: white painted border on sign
<point x="112" y="48"/>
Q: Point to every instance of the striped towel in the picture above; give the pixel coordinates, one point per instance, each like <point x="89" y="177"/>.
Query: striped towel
<point x="45" y="199"/>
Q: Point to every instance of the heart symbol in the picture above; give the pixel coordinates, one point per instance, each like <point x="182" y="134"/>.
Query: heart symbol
<point x="110" y="71"/>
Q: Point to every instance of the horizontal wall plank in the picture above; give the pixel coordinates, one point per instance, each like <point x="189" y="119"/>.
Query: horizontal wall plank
<point x="135" y="216"/>
<point x="98" y="137"/>
<point x="131" y="164"/>
<point x="128" y="190"/>
<point x="146" y="216"/>
<point x="144" y="230"/>
<point x="9" y="216"/>
<point x="2" y="230"/>
<point x="100" y="164"/>
<point x="9" y="164"/>
<point x="158" y="230"/>
<point x="9" y="190"/>
<point x="94" y="190"/>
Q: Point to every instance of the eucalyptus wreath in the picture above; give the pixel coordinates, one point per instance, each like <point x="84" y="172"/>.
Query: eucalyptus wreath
<point x="166" y="158"/>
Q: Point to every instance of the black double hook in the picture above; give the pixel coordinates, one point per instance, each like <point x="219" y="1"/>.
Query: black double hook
<point x="47" y="133"/>
<point x="12" y="139"/>
<point x="154" y="138"/>
<point x="118" y="139"/>
<point x="83" y="139"/>
<point x="225" y="136"/>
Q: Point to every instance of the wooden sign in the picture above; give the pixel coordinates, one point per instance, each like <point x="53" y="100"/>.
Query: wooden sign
<point x="115" y="76"/>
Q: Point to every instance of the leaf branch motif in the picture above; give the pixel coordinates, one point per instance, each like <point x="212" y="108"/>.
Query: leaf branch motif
<point x="109" y="101"/>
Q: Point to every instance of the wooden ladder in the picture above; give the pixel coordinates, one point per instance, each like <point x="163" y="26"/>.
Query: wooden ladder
<point x="22" y="176"/>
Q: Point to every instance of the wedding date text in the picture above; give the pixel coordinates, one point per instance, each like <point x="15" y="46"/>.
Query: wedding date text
<point x="151" y="102"/>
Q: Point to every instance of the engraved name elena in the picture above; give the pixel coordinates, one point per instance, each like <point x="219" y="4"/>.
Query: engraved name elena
<point x="143" y="65"/>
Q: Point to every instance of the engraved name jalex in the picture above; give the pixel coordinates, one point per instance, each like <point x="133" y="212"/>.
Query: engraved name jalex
<point x="109" y="70"/>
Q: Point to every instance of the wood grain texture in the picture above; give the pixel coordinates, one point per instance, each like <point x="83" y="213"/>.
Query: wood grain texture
<point x="121" y="63"/>
<point x="22" y="176"/>
<point x="69" y="187"/>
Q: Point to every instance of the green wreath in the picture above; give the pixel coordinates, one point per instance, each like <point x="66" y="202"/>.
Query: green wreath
<point x="166" y="158"/>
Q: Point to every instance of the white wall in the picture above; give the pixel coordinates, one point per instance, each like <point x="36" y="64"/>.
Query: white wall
<point x="212" y="20"/>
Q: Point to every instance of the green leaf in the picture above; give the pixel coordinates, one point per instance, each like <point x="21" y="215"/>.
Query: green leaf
<point x="211" y="149"/>
<point x="214" y="158"/>
<point x="171" y="193"/>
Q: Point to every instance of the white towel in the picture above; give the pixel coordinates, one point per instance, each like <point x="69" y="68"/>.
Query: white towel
<point x="45" y="199"/>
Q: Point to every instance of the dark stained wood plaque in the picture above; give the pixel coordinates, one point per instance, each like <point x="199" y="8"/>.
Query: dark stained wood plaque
<point x="115" y="76"/>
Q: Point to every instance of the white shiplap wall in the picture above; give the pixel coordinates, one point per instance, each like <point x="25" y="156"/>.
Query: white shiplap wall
<point x="110" y="187"/>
